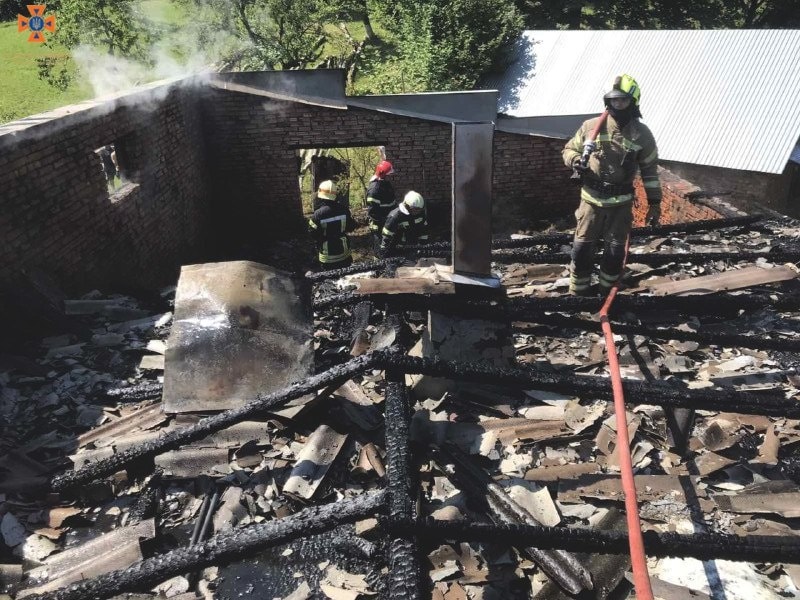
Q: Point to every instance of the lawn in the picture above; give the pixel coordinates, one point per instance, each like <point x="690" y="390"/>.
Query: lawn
<point x="23" y="93"/>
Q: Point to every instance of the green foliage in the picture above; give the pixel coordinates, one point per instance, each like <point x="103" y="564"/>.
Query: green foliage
<point x="9" y="9"/>
<point x="55" y="71"/>
<point x="116" y="26"/>
<point x="447" y="46"/>
<point x="23" y="93"/>
<point x="362" y="161"/>
<point x="658" y="14"/>
<point x="260" y="34"/>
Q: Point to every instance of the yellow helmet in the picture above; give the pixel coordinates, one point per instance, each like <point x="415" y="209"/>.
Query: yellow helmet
<point x="625" y="86"/>
<point x="327" y="190"/>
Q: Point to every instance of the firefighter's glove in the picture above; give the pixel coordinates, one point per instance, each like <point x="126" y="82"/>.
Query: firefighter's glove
<point x="653" y="214"/>
<point x="578" y="166"/>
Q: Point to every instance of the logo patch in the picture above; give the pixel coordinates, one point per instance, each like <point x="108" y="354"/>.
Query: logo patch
<point x="37" y="23"/>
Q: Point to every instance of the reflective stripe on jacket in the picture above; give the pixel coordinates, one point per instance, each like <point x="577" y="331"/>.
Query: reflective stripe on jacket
<point x="620" y="153"/>
<point x="401" y="228"/>
<point x="329" y="226"/>
<point x="380" y="202"/>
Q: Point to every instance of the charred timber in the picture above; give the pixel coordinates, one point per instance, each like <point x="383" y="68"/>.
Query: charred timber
<point x="655" y="259"/>
<point x="702" y="546"/>
<point x="520" y="308"/>
<point x="364" y="267"/>
<point x="587" y="386"/>
<point x="170" y="441"/>
<point x="543" y="239"/>
<point x="222" y="549"/>
<point x="135" y="393"/>
<point x="404" y="569"/>
<point x="711" y="339"/>
<point x="700" y="304"/>
<point x="562" y="567"/>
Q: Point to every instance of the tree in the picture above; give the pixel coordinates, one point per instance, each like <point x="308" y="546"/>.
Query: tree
<point x="116" y="26"/>
<point x="261" y="34"/>
<point x="9" y="9"/>
<point x="353" y="10"/>
<point x="658" y="14"/>
<point x="446" y="45"/>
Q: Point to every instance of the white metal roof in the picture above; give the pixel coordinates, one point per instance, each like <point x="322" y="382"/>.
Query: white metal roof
<point x="726" y="98"/>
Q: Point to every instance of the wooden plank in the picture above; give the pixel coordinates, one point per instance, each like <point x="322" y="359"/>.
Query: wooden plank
<point x="403" y="286"/>
<point x="730" y="280"/>
<point x="313" y="461"/>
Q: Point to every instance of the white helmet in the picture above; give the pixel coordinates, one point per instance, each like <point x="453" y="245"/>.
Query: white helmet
<point x="412" y="200"/>
<point x="327" y="190"/>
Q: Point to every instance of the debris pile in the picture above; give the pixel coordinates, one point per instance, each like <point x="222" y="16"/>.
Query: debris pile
<point x="285" y="499"/>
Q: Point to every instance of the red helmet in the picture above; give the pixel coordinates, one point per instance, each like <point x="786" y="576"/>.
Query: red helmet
<point x="384" y="168"/>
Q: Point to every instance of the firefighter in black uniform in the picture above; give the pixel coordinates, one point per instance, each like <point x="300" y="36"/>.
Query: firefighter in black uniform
<point x="329" y="226"/>
<point x="380" y="201"/>
<point x="406" y="224"/>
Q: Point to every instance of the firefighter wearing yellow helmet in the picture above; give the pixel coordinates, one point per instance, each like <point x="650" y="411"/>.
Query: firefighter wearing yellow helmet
<point x="406" y="224"/>
<point x="329" y="226"/>
<point x="622" y="147"/>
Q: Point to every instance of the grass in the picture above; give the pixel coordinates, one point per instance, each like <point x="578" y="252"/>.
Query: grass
<point x="24" y="93"/>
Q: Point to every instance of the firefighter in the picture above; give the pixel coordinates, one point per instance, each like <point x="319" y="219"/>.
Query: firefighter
<point x="406" y="224"/>
<point x="624" y="145"/>
<point x="380" y="201"/>
<point x="329" y="226"/>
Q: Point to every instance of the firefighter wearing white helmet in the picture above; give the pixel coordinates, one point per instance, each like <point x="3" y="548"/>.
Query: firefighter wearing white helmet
<point x="329" y="226"/>
<point x="608" y="152"/>
<point x="406" y="224"/>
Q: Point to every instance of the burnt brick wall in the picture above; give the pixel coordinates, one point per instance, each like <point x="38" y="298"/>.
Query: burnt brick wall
<point x="746" y="189"/>
<point x="682" y="202"/>
<point x="253" y="142"/>
<point x="530" y="183"/>
<point x="56" y="215"/>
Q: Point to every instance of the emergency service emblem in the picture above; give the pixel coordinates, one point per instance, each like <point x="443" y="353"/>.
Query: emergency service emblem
<point x="37" y="23"/>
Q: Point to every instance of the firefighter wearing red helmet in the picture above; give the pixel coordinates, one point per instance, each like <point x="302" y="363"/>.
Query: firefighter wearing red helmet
<point x="380" y="201"/>
<point x="623" y="146"/>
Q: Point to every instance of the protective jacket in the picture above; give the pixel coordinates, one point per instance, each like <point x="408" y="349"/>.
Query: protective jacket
<point x="621" y="151"/>
<point x="380" y="202"/>
<point x="402" y="228"/>
<point x="329" y="226"/>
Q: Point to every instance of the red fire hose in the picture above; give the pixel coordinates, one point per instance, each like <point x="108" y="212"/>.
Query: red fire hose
<point x="641" y="578"/>
<point x="589" y="144"/>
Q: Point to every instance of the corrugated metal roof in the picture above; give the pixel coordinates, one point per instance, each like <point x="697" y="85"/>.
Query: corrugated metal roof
<point x="726" y="98"/>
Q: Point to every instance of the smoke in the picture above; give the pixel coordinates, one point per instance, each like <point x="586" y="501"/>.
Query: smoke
<point x="108" y="74"/>
<point x="192" y="49"/>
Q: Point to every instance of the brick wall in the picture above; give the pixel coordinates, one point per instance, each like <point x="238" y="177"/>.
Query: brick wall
<point x="682" y="201"/>
<point x="530" y="184"/>
<point x="746" y="189"/>
<point x="56" y="215"/>
<point x="253" y="142"/>
<point x="210" y="167"/>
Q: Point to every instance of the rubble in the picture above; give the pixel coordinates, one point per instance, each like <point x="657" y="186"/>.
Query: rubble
<point x="307" y="458"/>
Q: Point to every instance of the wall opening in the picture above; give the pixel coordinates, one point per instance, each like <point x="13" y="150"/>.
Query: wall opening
<point x="350" y="167"/>
<point x="115" y="168"/>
